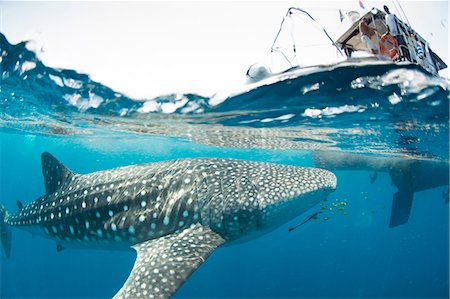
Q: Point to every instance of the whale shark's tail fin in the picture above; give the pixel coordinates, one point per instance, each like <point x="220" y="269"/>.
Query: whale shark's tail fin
<point x="5" y="232"/>
<point x="55" y="173"/>
<point x="403" y="176"/>
<point x="401" y="207"/>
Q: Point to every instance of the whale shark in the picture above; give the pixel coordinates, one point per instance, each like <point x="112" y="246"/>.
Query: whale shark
<point x="173" y="213"/>
<point x="408" y="175"/>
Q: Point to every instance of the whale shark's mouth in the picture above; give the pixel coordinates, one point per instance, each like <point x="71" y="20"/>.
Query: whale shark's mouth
<point x="310" y="187"/>
<point x="329" y="179"/>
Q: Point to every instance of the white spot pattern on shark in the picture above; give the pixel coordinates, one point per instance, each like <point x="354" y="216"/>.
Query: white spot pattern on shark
<point x="173" y="213"/>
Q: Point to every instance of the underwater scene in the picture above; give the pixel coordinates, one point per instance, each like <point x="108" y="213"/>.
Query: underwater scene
<point x="332" y="184"/>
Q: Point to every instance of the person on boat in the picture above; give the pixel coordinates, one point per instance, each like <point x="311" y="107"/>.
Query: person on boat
<point x="392" y="24"/>
<point x="367" y="33"/>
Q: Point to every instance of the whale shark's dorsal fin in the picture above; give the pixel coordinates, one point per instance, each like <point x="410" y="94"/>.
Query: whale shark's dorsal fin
<point x="19" y="205"/>
<point x="55" y="173"/>
<point x="162" y="265"/>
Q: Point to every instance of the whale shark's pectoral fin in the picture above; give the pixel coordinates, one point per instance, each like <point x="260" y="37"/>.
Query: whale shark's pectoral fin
<point x="55" y="173"/>
<point x="163" y="264"/>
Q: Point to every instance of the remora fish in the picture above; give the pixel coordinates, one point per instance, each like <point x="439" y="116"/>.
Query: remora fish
<point x="173" y="213"/>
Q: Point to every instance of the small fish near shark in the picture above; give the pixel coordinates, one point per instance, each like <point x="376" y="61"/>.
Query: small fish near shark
<point x="173" y="213"/>
<point x="408" y="175"/>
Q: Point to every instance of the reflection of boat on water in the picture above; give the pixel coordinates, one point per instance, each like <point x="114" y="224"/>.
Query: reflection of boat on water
<point x="317" y="51"/>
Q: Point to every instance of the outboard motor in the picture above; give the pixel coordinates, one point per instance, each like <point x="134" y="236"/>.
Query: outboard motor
<point x="257" y="72"/>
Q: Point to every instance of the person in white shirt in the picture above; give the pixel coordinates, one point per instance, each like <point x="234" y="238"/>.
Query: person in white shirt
<point x="391" y="22"/>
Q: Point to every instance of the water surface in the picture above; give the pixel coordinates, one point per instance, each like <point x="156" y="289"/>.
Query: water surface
<point x="349" y="251"/>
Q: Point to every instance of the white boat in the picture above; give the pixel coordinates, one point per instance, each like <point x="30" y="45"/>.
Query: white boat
<point x="348" y="48"/>
<point x="406" y="46"/>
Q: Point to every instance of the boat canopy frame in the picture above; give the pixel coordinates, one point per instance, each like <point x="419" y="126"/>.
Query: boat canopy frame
<point x="293" y="11"/>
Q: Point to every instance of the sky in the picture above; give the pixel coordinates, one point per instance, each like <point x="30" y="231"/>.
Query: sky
<point x="147" y="49"/>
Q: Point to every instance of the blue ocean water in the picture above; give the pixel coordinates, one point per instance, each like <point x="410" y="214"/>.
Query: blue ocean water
<point x="374" y="111"/>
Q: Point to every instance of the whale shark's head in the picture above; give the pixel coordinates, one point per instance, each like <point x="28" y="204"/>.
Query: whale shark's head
<point x="290" y="192"/>
<point x="265" y="196"/>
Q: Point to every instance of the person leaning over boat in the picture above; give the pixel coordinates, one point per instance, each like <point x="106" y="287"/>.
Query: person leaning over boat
<point x="367" y="33"/>
<point x="392" y="24"/>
